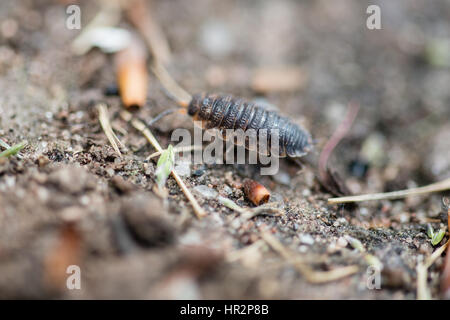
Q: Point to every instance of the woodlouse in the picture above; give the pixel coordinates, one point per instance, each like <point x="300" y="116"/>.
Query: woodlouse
<point x="228" y="112"/>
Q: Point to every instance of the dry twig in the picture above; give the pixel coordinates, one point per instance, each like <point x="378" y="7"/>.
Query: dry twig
<point x="423" y="292"/>
<point x="267" y="209"/>
<point x="106" y="126"/>
<point x="177" y="150"/>
<point x="309" y="274"/>
<point x="181" y="96"/>
<point x="370" y="259"/>
<point x="249" y="213"/>
<point x="241" y="253"/>
<point x="435" y="187"/>
<point x="138" y="125"/>
<point x="140" y="14"/>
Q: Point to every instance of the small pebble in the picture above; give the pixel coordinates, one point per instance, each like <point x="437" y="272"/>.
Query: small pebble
<point x="120" y="184"/>
<point x="282" y="177"/>
<point x="206" y="191"/>
<point x="342" y="242"/>
<point x="111" y="90"/>
<point x="358" y="168"/>
<point x="227" y="190"/>
<point x="306" y="239"/>
<point x="71" y="179"/>
<point x="183" y="169"/>
<point x="306" y="193"/>
<point x="235" y="224"/>
<point x="198" y="172"/>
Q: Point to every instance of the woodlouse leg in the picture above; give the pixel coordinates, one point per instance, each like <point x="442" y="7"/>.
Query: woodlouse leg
<point x="299" y="163"/>
<point x="163" y="114"/>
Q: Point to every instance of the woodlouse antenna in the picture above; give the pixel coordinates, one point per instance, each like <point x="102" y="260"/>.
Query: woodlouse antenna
<point x="173" y="90"/>
<point x="165" y="113"/>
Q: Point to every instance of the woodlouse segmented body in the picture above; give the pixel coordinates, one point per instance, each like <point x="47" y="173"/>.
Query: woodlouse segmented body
<point x="227" y="112"/>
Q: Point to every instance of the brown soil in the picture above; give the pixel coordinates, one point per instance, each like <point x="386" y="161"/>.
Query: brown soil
<point x="131" y="244"/>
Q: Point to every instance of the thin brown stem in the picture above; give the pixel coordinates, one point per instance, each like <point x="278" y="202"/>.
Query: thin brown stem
<point x="139" y="12"/>
<point x="435" y="187"/>
<point x="106" y="126"/>
<point x="140" y="126"/>
<point x="310" y="275"/>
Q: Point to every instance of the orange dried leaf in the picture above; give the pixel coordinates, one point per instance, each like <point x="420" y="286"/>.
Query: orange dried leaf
<point x="132" y="75"/>
<point x="66" y="252"/>
<point x="256" y="192"/>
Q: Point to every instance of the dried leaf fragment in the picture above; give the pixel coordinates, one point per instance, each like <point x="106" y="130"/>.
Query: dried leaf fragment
<point x="256" y="192"/>
<point x="132" y="75"/>
<point x="66" y="252"/>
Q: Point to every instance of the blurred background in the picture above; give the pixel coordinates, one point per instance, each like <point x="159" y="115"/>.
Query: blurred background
<point x="309" y="59"/>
